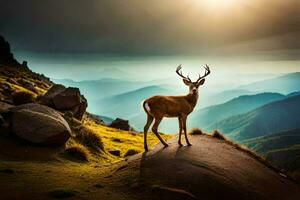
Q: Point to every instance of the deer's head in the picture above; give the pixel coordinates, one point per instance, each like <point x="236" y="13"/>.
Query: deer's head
<point x="193" y="86"/>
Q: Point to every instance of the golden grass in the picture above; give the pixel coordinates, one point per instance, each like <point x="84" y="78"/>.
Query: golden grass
<point x="78" y="151"/>
<point x="89" y="138"/>
<point x="217" y="134"/>
<point x="196" y="131"/>
<point x="126" y="140"/>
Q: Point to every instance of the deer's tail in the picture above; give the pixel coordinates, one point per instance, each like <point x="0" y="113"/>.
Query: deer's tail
<point x="146" y="107"/>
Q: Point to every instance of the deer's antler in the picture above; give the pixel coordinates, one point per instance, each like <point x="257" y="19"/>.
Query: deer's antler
<point x="207" y="71"/>
<point x="178" y="71"/>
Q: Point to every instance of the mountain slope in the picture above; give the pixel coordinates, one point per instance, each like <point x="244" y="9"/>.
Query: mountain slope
<point x="282" y="148"/>
<point x="275" y="141"/>
<point x="284" y="84"/>
<point x="273" y="117"/>
<point x="210" y="169"/>
<point x="242" y="104"/>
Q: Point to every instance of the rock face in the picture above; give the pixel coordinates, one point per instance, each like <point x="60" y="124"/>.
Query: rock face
<point x="6" y="57"/>
<point x="38" y="124"/>
<point x="66" y="99"/>
<point x="120" y="124"/>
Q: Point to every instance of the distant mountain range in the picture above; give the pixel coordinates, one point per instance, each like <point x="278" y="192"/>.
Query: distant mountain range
<point x="271" y="118"/>
<point x="205" y="117"/>
<point x="97" y="89"/>
<point x="128" y="104"/>
<point x="283" y="84"/>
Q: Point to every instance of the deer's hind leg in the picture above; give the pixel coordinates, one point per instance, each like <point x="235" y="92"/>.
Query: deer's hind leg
<point x="146" y="127"/>
<point x="180" y="130"/>
<point x="155" y="130"/>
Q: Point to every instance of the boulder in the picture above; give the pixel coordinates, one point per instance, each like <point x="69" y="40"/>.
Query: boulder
<point x="120" y="124"/>
<point x="115" y="152"/>
<point x="66" y="99"/>
<point x="39" y="124"/>
<point x="47" y="98"/>
<point x="131" y="152"/>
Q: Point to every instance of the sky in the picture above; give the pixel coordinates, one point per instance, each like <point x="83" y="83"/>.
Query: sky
<point x="79" y="39"/>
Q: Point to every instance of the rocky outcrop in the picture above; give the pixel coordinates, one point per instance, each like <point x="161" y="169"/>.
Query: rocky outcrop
<point x="120" y="124"/>
<point x="27" y="84"/>
<point x="6" y="57"/>
<point x="38" y="124"/>
<point x="66" y="99"/>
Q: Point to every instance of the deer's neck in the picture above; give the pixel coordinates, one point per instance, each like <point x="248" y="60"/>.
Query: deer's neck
<point x="192" y="99"/>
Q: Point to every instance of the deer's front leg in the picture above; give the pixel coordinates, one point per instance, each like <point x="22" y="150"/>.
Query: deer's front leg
<point x="155" y="130"/>
<point x="180" y="130"/>
<point x="184" y="129"/>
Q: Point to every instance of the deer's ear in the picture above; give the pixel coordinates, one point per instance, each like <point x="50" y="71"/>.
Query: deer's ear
<point x="187" y="82"/>
<point x="201" y="82"/>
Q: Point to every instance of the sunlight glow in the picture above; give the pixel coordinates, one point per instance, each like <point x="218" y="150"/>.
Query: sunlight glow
<point x="217" y="4"/>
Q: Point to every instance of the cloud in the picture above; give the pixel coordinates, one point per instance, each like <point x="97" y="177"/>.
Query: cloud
<point x="148" y="27"/>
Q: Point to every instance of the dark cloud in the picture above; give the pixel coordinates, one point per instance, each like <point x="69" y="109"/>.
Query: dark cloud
<point x="148" y="27"/>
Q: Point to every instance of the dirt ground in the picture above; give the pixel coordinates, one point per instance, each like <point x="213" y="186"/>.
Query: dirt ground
<point x="210" y="169"/>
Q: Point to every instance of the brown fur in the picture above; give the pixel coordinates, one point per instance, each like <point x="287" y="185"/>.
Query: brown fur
<point x="158" y="107"/>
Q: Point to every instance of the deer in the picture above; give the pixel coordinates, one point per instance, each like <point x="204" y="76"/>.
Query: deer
<point x="158" y="107"/>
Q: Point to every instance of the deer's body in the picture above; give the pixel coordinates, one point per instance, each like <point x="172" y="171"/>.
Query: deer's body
<point x="158" y="107"/>
<point x="170" y="106"/>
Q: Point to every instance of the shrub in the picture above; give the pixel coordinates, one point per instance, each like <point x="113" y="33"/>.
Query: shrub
<point x="217" y="134"/>
<point x="23" y="97"/>
<point x="196" y="131"/>
<point x="131" y="152"/>
<point x="78" y="151"/>
<point x="89" y="138"/>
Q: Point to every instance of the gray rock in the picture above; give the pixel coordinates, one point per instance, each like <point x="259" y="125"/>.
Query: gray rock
<point x="115" y="152"/>
<point x="120" y="124"/>
<point x="47" y="99"/>
<point x="39" y="124"/>
<point x="66" y="99"/>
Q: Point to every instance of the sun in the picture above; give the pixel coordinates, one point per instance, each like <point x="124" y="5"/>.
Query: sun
<point x="217" y="4"/>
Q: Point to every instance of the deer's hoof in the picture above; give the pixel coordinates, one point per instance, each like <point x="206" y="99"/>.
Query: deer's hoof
<point x="189" y="144"/>
<point x="180" y="144"/>
<point x="166" y="145"/>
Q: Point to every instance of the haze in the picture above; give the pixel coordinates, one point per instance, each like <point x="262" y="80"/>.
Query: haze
<point x="146" y="40"/>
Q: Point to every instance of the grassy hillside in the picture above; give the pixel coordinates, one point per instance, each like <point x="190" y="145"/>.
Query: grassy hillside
<point x="242" y="104"/>
<point x="114" y="139"/>
<point x="271" y="118"/>
<point x="14" y="80"/>
<point x="282" y="149"/>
